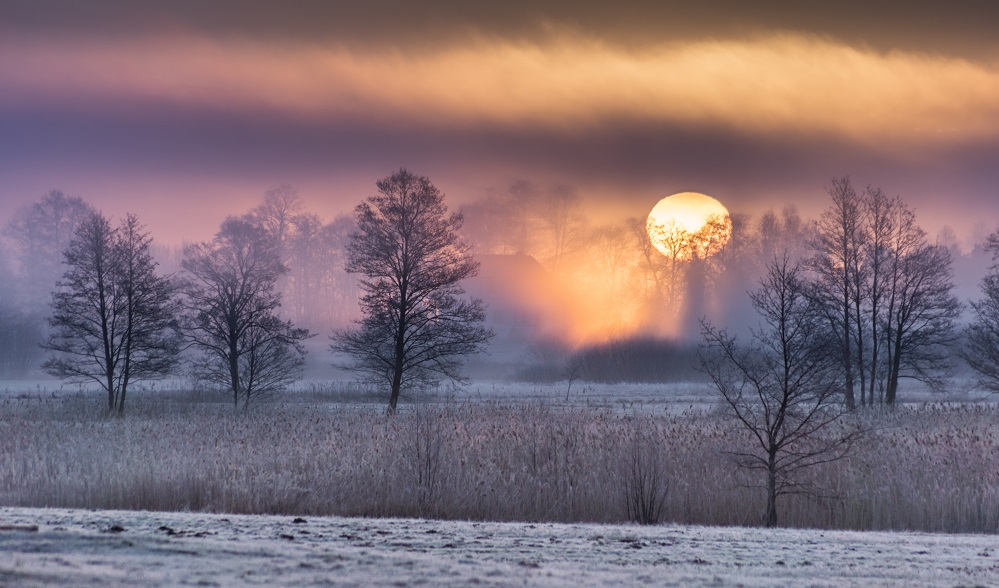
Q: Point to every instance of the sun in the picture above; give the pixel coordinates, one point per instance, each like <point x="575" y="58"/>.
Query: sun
<point x="688" y="225"/>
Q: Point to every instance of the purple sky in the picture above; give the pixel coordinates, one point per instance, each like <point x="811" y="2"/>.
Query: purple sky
<point x="185" y="111"/>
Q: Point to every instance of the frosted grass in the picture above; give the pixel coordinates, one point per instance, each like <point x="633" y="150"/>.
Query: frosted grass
<point x="918" y="468"/>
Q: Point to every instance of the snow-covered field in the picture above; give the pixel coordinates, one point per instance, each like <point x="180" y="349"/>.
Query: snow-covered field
<point x="76" y="547"/>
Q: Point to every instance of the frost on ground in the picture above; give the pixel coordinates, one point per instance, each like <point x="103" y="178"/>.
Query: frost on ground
<point x="40" y="547"/>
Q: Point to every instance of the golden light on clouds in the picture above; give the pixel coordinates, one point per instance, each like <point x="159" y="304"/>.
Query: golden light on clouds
<point x="785" y="84"/>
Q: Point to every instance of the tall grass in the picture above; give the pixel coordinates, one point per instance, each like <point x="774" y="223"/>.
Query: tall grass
<point x="931" y="469"/>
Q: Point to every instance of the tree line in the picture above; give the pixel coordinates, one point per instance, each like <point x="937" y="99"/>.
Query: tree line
<point x="115" y="319"/>
<point x="884" y="289"/>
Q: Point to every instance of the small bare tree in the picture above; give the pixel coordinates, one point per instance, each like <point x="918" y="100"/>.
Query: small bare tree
<point x="114" y="320"/>
<point x="784" y="387"/>
<point x="231" y="314"/>
<point x="838" y="241"/>
<point x="644" y="475"/>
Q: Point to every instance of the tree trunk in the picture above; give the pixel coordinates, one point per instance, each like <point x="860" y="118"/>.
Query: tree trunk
<point x="121" y="403"/>
<point x="893" y="371"/>
<point x="126" y="374"/>
<point x="400" y="346"/>
<point x="234" y="377"/>
<point x="848" y="361"/>
<point x="771" y="516"/>
<point x="397" y="368"/>
<point x="858" y="311"/>
<point x="396" y="388"/>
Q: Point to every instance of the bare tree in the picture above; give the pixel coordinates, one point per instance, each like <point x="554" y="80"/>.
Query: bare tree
<point x="677" y="245"/>
<point x="886" y="292"/>
<point x="505" y="222"/>
<point x="784" y="386"/>
<point x="40" y="234"/>
<point x="114" y="320"/>
<point x="651" y="264"/>
<point x="302" y="253"/>
<point x="563" y="223"/>
<point x="777" y="234"/>
<point x="838" y="241"/>
<point x="416" y="324"/>
<point x="276" y="213"/>
<point x="921" y="309"/>
<point x="982" y="351"/>
<point x="883" y="215"/>
<point x="231" y="313"/>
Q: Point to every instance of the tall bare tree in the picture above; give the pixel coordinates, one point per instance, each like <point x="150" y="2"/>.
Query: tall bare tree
<point x="783" y="387"/>
<point x="921" y="310"/>
<point x="982" y="350"/>
<point x="114" y="320"/>
<point x="838" y="241"/>
<point x="232" y="313"/>
<point x="416" y="325"/>
<point x="882" y="216"/>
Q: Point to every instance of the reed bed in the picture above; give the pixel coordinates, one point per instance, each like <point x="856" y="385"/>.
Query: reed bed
<point x="928" y="468"/>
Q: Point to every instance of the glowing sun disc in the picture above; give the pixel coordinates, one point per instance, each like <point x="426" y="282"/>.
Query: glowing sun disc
<point x="688" y="224"/>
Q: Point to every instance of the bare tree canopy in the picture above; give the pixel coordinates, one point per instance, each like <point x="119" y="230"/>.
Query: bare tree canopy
<point x="416" y="325"/>
<point x="783" y="387"/>
<point x="41" y="233"/>
<point x="114" y="320"/>
<point x="231" y="313"/>
<point x="885" y="290"/>
<point x="315" y="289"/>
<point x="277" y="212"/>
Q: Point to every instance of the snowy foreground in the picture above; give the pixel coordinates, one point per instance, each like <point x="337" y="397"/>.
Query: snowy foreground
<point x="76" y="547"/>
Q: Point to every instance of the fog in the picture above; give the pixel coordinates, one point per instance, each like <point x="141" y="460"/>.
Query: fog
<point x="561" y="286"/>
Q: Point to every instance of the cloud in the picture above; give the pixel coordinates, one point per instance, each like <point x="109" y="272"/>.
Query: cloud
<point x="195" y="117"/>
<point x="774" y="85"/>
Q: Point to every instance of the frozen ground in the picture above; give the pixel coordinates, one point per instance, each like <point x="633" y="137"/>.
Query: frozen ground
<point x="674" y="397"/>
<point x="56" y="547"/>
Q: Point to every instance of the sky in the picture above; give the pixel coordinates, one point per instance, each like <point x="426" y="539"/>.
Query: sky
<point x="186" y="111"/>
